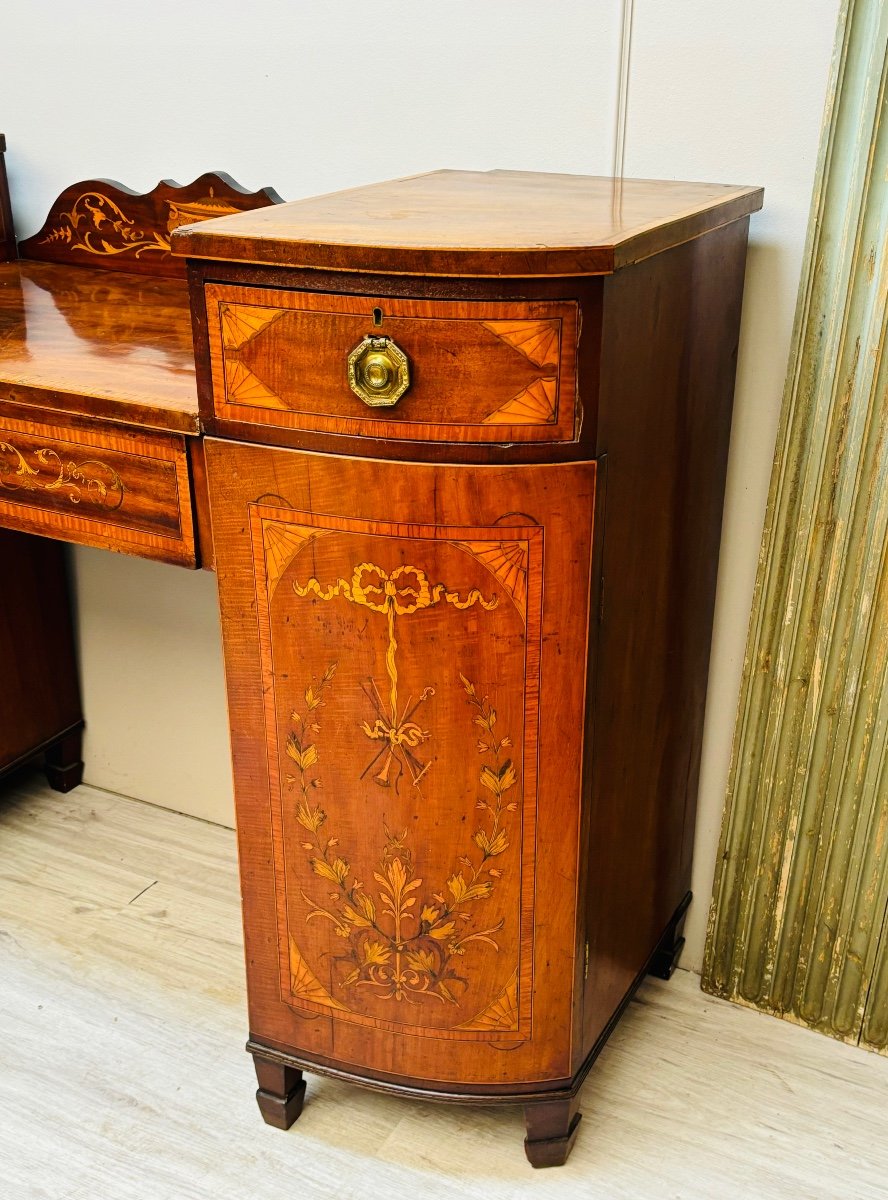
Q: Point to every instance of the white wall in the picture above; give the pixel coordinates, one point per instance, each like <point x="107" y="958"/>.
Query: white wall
<point x="309" y="97"/>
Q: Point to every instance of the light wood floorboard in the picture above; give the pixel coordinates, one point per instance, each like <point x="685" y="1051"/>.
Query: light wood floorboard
<point x="123" y="1076"/>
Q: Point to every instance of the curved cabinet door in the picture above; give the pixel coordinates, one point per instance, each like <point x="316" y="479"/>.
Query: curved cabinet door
<point x="406" y="651"/>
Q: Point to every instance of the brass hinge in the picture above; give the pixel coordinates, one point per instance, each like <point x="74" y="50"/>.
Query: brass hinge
<point x="586" y="962"/>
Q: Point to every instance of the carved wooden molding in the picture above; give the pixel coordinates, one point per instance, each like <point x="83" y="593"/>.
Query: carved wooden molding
<point x="801" y="884"/>
<point x="98" y="223"/>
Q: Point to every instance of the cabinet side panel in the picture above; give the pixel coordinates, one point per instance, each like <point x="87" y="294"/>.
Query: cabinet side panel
<point x="669" y="348"/>
<point x="403" y="646"/>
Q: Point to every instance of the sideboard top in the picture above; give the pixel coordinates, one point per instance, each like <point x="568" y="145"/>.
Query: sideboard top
<point x="514" y="223"/>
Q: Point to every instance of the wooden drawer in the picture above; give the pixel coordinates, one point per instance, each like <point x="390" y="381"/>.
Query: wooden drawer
<point x="103" y="487"/>
<point x="479" y="371"/>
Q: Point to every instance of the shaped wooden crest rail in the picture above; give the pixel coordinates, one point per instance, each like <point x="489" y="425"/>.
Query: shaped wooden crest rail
<point x="100" y="223"/>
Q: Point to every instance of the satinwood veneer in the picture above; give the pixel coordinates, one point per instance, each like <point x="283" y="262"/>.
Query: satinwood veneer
<point x="469" y="435"/>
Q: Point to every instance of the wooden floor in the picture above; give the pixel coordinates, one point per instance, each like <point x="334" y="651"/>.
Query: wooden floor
<point x="123" y="1076"/>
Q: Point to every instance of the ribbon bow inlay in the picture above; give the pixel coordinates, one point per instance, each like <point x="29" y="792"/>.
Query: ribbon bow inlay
<point x="398" y="593"/>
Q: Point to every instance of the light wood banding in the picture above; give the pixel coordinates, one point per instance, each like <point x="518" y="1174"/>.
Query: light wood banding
<point x="469" y="552"/>
<point x="481" y="372"/>
<point x="108" y="487"/>
<point x="474" y="223"/>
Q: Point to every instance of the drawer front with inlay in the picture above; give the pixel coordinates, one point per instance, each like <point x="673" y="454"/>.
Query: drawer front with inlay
<point x="113" y="488"/>
<point x="465" y="371"/>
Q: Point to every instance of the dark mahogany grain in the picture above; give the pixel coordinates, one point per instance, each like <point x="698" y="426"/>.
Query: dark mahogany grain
<point x="40" y="698"/>
<point x="552" y="1127"/>
<point x="281" y="1092"/>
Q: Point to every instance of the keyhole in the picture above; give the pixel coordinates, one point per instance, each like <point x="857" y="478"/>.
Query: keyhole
<point x="377" y="317"/>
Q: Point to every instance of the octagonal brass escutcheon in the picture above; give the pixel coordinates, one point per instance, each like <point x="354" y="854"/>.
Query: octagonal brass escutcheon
<point x="378" y="371"/>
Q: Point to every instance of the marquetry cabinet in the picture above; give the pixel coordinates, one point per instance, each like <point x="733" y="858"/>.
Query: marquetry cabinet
<point x="468" y="436"/>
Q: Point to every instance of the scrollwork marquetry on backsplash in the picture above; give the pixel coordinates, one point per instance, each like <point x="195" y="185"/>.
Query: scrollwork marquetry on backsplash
<point x="103" y="224"/>
<point x="95" y="224"/>
<point x="45" y="470"/>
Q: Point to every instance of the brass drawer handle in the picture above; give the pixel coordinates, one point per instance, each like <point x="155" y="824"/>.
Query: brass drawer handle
<point x="378" y="371"/>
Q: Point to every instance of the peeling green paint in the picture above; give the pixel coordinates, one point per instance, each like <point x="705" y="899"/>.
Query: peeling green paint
<point x="801" y="886"/>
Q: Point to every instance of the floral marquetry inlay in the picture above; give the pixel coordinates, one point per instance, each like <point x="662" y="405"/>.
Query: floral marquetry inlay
<point x="403" y="936"/>
<point x="404" y="591"/>
<point x="400" y="768"/>
<point x="105" y="225"/>
<point x="96" y="225"/>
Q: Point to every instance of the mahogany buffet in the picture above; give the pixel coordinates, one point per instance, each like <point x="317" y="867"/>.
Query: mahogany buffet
<point x="461" y="443"/>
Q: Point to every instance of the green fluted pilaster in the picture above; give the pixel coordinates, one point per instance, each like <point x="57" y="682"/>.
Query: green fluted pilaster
<point x="801" y="885"/>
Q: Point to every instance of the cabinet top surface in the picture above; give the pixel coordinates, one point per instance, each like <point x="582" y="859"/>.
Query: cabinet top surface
<point x="100" y="343"/>
<point x="476" y="223"/>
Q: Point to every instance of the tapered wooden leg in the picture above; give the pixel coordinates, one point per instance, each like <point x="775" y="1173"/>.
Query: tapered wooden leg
<point x="551" y="1130"/>
<point x="281" y="1092"/>
<point x="63" y="763"/>
<point x="671" y="944"/>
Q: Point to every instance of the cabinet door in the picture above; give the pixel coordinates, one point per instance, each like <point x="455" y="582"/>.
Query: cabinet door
<point x="406" y="651"/>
